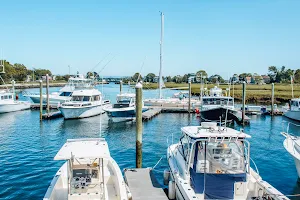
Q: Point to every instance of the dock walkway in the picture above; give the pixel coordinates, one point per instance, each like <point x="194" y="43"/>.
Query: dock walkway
<point x="143" y="185"/>
<point x="147" y="115"/>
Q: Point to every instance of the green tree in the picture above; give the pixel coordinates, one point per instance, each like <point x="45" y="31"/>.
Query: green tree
<point x="150" y="77"/>
<point x="169" y="79"/>
<point x="297" y="76"/>
<point x="137" y="77"/>
<point x="198" y="75"/>
<point x="244" y="75"/>
<point x="185" y="78"/>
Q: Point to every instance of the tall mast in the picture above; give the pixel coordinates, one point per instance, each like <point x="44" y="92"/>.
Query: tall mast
<point x="161" y="43"/>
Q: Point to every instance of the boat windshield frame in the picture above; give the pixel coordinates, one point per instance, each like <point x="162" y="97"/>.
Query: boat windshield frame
<point x="218" y="100"/>
<point x="193" y="142"/>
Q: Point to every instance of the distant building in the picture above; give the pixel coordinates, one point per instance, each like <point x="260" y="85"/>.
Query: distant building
<point x="192" y="77"/>
<point x="28" y="78"/>
<point x="44" y="78"/>
<point x="266" y="79"/>
<point x="248" y="79"/>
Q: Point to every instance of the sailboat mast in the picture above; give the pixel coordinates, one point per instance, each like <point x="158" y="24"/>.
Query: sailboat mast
<point x="161" y="48"/>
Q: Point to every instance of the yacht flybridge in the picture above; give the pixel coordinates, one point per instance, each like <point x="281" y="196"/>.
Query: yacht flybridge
<point x="212" y="162"/>
<point x="65" y="94"/>
<point x="88" y="173"/>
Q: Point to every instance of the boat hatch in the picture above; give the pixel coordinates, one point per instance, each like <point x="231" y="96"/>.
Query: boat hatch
<point x="83" y="148"/>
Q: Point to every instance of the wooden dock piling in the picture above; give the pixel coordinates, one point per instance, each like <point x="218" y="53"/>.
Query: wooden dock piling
<point x="190" y="94"/>
<point x="47" y="91"/>
<point x="272" y="100"/>
<point x="41" y="100"/>
<point x="121" y="84"/>
<point x="139" y="123"/>
<point x="244" y="101"/>
<point x="13" y="89"/>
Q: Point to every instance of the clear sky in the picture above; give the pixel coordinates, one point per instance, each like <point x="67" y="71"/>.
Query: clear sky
<point x="220" y="36"/>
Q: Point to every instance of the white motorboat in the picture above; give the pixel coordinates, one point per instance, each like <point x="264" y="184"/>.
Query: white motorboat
<point x="84" y="103"/>
<point x="124" y="109"/>
<point x="179" y="99"/>
<point x="216" y="106"/>
<point x="88" y="173"/>
<point x="292" y="145"/>
<point x="65" y="94"/>
<point x="9" y="104"/>
<point x="212" y="162"/>
<point x="294" y="111"/>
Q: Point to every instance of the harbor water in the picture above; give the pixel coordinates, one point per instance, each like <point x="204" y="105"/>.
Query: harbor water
<point x="27" y="146"/>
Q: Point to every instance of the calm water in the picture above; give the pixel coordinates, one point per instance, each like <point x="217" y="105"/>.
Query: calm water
<point x="27" y="147"/>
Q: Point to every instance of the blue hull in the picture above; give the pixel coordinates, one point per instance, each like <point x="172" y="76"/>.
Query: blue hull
<point x="125" y="113"/>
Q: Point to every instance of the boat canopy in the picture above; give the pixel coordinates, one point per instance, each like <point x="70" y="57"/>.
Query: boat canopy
<point x="211" y="130"/>
<point x="83" y="148"/>
<point x="90" y="92"/>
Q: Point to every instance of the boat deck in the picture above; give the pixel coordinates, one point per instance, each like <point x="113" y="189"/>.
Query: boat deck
<point x="143" y="185"/>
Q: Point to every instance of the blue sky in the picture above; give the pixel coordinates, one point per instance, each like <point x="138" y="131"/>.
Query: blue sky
<point x="221" y="37"/>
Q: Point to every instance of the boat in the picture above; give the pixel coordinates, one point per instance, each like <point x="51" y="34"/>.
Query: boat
<point x="65" y="94"/>
<point x="213" y="162"/>
<point x="292" y="146"/>
<point x="84" y="103"/>
<point x="124" y="109"/>
<point x="88" y="173"/>
<point x="9" y="104"/>
<point x="293" y="112"/>
<point x="217" y="107"/>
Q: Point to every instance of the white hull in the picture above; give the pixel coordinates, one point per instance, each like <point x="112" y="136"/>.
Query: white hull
<point x="17" y="106"/>
<point x="81" y="112"/>
<point x="53" y="99"/>
<point x="292" y="145"/>
<point x="295" y="115"/>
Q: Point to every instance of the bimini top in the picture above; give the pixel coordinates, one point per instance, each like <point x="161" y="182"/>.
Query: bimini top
<point x="83" y="148"/>
<point x="211" y="130"/>
<point x="86" y="92"/>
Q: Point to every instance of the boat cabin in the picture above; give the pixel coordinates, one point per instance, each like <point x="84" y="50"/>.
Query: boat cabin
<point x="218" y="101"/>
<point x="295" y="105"/>
<point x="6" y="96"/>
<point x="125" y="100"/>
<point x="86" y="96"/>
<point x="216" y="159"/>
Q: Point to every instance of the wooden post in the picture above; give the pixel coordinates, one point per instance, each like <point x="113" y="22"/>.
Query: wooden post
<point x="13" y="89"/>
<point x="244" y="101"/>
<point x="47" y="92"/>
<point x="139" y="124"/>
<point x="190" y="94"/>
<point x="41" y="99"/>
<point x="121" y="83"/>
<point x="272" y="100"/>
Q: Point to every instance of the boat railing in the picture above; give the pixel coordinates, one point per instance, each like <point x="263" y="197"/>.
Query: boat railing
<point x="26" y="93"/>
<point x="290" y="136"/>
<point x="256" y="169"/>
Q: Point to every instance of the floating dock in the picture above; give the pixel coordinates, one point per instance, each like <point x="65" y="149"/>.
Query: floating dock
<point x="35" y="106"/>
<point x="238" y="115"/>
<point x="149" y="114"/>
<point x="143" y="184"/>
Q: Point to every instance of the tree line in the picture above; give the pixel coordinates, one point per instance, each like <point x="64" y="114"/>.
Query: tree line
<point x="19" y="72"/>
<point x="275" y="75"/>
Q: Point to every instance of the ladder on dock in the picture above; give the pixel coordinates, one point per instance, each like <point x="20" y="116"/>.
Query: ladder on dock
<point x="143" y="184"/>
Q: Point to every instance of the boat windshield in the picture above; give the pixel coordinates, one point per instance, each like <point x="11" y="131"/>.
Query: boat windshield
<point x="124" y="100"/>
<point x="6" y="97"/>
<point x="218" y="101"/>
<point x="65" y="94"/>
<point x="220" y="157"/>
<point x="81" y="98"/>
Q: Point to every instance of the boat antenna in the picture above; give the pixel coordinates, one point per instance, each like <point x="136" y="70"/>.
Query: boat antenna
<point x="141" y="69"/>
<point x="101" y="106"/>
<point x="161" y="54"/>
<point x="106" y="64"/>
<point x="100" y="62"/>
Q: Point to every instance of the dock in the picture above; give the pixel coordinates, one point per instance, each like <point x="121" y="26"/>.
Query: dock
<point x="238" y="115"/>
<point x="143" y="184"/>
<point x="36" y="106"/>
<point x="149" y="114"/>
